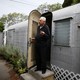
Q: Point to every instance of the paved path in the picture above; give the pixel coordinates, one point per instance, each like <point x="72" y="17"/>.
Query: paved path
<point x="4" y="75"/>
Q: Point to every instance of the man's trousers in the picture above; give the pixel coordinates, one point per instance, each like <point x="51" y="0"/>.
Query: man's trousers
<point x="41" y="56"/>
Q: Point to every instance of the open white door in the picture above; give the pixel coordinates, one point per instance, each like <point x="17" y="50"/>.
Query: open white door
<point x="32" y="24"/>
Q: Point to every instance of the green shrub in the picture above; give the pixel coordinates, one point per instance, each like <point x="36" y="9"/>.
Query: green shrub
<point x="12" y="55"/>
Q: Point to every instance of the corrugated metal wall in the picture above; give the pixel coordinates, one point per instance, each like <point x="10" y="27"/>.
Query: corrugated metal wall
<point x="64" y="57"/>
<point x="18" y="38"/>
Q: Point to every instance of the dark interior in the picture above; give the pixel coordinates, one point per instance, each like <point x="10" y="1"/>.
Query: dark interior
<point x="48" y="16"/>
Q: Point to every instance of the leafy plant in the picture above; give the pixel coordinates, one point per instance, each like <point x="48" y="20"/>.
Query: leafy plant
<point x="13" y="56"/>
<point x="1" y="27"/>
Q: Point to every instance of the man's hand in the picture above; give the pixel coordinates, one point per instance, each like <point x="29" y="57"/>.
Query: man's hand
<point x="32" y="40"/>
<point x="42" y="33"/>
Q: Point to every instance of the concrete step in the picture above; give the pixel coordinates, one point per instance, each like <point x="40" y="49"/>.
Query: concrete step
<point x="26" y="76"/>
<point x="49" y="75"/>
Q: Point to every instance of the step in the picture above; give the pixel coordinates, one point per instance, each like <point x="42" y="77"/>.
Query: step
<point x="26" y="76"/>
<point x="49" y="75"/>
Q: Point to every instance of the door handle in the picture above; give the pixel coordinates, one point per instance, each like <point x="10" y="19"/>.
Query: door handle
<point x="29" y="42"/>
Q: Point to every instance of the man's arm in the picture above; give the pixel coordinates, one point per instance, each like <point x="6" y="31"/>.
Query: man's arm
<point x="47" y="34"/>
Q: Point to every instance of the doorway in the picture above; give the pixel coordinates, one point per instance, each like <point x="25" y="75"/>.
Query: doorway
<point x="49" y="17"/>
<point x="32" y="29"/>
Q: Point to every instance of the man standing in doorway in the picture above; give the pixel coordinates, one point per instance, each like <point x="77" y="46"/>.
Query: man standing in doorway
<point x="42" y="36"/>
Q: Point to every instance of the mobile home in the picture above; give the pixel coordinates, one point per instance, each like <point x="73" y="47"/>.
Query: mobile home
<point x="64" y="48"/>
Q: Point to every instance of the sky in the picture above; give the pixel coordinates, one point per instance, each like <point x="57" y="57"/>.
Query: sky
<point x="22" y="6"/>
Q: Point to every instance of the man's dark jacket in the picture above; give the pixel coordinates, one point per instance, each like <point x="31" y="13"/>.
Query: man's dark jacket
<point x="42" y="39"/>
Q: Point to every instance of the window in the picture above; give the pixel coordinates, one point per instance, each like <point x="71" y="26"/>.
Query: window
<point x="62" y="32"/>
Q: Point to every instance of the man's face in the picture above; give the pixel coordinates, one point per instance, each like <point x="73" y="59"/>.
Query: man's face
<point x="41" y="22"/>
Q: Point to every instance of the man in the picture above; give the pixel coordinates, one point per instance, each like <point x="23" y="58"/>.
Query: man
<point x="41" y="38"/>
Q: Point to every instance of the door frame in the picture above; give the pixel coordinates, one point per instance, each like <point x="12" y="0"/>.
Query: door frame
<point x="30" y="18"/>
<point x="49" y="22"/>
